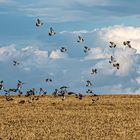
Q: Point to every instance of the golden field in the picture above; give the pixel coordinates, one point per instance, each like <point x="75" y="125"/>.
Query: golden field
<point x="112" y="117"/>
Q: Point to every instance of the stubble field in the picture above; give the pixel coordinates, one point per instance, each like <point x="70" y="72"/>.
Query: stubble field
<point x="112" y="117"/>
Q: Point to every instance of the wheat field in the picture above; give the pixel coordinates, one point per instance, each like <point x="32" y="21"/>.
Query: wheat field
<point x="112" y="117"/>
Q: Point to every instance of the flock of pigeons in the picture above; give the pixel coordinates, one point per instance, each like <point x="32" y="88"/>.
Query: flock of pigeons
<point x="62" y="91"/>
<point x="112" y="59"/>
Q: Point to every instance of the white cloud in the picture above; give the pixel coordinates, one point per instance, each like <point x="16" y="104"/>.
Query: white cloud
<point x="118" y="34"/>
<point x="97" y="53"/>
<point x="37" y="64"/>
<point x="57" y="54"/>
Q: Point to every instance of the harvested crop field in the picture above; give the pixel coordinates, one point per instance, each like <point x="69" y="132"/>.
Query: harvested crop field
<point x="112" y="117"/>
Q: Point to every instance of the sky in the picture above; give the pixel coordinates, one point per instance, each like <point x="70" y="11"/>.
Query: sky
<point x="97" y="21"/>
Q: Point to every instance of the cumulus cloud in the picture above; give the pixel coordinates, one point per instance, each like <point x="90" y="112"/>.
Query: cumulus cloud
<point x="73" y="68"/>
<point x="118" y="34"/>
<point x="97" y="53"/>
<point x="57" y="54"/>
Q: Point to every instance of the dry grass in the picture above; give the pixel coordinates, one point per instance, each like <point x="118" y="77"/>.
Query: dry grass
<point x="113" y="117"/>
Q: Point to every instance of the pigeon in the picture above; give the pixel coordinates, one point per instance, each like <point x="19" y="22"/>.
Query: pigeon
<point x="127" y="43"/>
<point x="86" y="49"/>
<point x="19" y="85"/>
<point x="94" y="71"/>
<point x="94" y="100"/>
<point x="39" y="23"/>
<point x="21" y="102"/>
<point x="88" y="83"/>
<point x="8" y="97"/>
<point x="1" y="85"/>
<point x="51" y="32"/>
<point x="63" y="87"/>
<point x="41" y="90"/>
<point x="15" y="63"/>
<point x="117" y="65"/>
<point x="48" y="80"/>
<point x="112" y="44"/>
<point x="89" y="91"/>
<point x="112" y="60"/>
<point x="80" y="96"/>
<point x="63" y="49"/>
<point x="81" y="40"/>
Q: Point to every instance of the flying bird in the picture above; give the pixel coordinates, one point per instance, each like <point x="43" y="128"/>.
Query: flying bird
<point x="63" y="49"/>
<point x="89" y="91"/>
<point x="127" y="43"/>
<point x="42" y="91"/>
<point x="117" y="65"/>
<point x="39" y="23"/>
<point x="112" y="60"/>
<point x="48" y="80"/>
<point x="1" y="85"/>
<point x="112" y="44"/>
<point x="86" y="49"/>
<point x="51" y="32"/>
<point x="15" y="63"/>
<point x="80" y="39"/>
<point x="88" y="83"/>
<point x="94" y="71"/>
<point x="19" y="85"/>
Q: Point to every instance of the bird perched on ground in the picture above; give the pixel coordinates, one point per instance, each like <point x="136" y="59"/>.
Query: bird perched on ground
<point x="1" y="85"/>
<point x="94" y="100"/>
<point x="112" y="60"/>
<point x="15" y="63"/>
<point x="80" y="39"/>
<point x="127" y="43"/>
<point x="21" y="102"/>
<point x="88" y="83"/>
<point x="8" y="97"/>
<point x="80" y="96"/>
<point x="112" y="44"/>
<point x="93" y="71"/>
<point x="71" y="93"/>
<point x="63" y="49"/>
<point x="86" y="49"/>
<point x="51" y="32"/>
<point x="39" y="23"/>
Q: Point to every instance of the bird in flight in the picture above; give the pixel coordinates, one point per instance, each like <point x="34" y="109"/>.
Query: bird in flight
<point x="63" y="49"/>
<point x="1" y="85"/>
<point x="88" y="83"/>
<point x="112" y="44"/>
<point x="94" y="71"/>
<point x="51" y="32"/>
<point x="89" y="91"/>
<point x="117" y="65"/>
<point x="15" y="63"/>
<point x="112" y="60"/>
<point x="127" y="43"/>
<point x="80" y="39"/>
<point x="48" y="80"/>
<point x="39" y="23"/>
<point x="86" y="49"/>
<point x="19" y="85"/>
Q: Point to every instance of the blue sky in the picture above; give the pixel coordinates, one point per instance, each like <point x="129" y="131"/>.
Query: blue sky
<point x="98" y="21"/>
